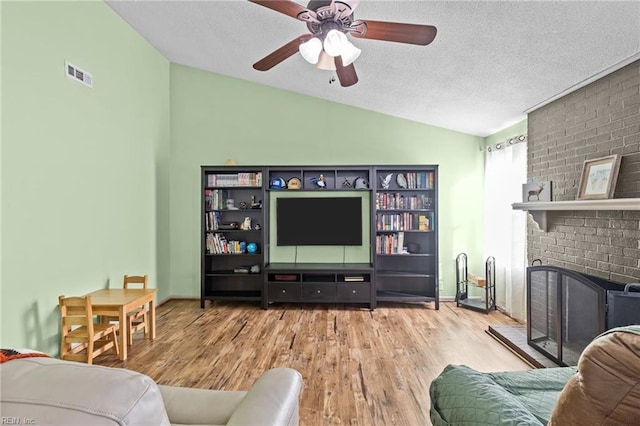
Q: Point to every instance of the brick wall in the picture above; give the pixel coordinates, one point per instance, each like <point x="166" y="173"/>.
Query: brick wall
<point x="600" y="119"/>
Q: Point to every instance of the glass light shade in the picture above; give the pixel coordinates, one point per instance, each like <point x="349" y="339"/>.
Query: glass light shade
<point x="310" y="50"/>
<point x="326" y="62"/>
<point x="350" y="53"/>
<point x="335" y="42"/>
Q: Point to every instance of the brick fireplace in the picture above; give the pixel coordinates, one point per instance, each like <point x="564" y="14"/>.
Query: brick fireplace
<point x="600" y="119"/>
<point x="597" y="120"/>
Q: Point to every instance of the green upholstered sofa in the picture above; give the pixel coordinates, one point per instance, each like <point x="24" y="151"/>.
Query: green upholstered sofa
<point x="604" y="388"/>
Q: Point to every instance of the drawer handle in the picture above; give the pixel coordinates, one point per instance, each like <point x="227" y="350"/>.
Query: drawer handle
<point x="353" y="291"/>
<point x="318" y="291"/>
<point x="284" y="291"/>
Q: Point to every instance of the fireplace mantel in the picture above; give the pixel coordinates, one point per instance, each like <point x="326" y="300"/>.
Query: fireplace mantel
<point x="539" y="209"/>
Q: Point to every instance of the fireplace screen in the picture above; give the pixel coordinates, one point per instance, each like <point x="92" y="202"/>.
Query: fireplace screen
<point x="566" y="310"/>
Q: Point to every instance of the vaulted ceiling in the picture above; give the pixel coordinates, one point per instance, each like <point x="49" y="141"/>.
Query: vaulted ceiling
<point x="489" y="63"/>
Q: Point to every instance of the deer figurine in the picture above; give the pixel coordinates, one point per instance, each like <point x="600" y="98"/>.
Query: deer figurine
<point x="536" y="192"/>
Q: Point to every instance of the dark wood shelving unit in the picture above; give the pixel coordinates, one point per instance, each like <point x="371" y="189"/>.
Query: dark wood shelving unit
<point x="407" y="273"/>
<point x="405" y="229"/>
<point x="225" y="249"/>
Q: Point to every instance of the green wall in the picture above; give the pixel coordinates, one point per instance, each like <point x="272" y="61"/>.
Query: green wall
<point x="84" y="172"/>
<point x="215" y="118"/>
<point x="100" y="182"/>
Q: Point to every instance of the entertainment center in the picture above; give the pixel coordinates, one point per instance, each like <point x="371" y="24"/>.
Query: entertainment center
<point x="319" y="234"/>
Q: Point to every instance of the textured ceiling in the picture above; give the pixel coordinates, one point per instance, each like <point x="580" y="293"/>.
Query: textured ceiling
<point x="490" y="61"/>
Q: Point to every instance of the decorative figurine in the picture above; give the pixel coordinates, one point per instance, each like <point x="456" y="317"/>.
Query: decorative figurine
<point x="230" y="204"/>
<point x="319" y="181"/>
<point x="386" y="181"/>
<point x="255" y="204"/>
<point x="246" y="225"/>
<point x="401" y="180"/>
<point x="346" y="184"/>
<point x="257" y="227"/>
<point x="243" y="205"/>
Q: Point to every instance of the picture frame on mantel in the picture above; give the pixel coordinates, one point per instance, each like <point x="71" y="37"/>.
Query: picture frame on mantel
<point x="536" y="191"/>
<point x="599" y="176"/>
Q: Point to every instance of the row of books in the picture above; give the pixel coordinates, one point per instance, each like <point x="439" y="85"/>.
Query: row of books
<point x="404" y="222"/>
<point x="420" y="180"/>
<point x="212" y="221"/>
<point x="235" y="179"/>
<point x="218" y="244"/>
<point x="389" y="201"/>
<point x="390" y="243"/>
<point x="215" y="199"/>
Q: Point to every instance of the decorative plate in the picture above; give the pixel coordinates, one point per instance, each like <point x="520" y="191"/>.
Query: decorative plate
<point x="402" y="181"/>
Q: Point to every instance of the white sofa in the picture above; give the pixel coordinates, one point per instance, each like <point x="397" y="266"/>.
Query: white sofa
<point x="49" y="391"/>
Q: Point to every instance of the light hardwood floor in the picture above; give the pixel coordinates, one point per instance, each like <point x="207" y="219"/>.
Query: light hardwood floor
<point x="359" y="367"/>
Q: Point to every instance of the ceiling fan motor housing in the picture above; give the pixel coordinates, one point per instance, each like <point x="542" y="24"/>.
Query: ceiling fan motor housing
<point x="327" y="17"/>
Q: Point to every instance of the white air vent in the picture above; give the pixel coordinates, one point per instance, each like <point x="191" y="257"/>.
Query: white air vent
<point x="78" y="75"/>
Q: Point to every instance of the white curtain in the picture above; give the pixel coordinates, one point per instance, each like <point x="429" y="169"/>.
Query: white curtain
<point x="505" y="229"/>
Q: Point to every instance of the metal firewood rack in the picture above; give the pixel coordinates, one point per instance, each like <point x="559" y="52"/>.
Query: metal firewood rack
<point x="474" y="292"/>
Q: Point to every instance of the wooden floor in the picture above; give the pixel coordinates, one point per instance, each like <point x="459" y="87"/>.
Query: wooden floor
<point x="360" y="367"/>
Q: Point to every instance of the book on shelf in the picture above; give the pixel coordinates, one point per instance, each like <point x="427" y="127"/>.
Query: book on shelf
<point x="212" y="221"/>
<point x="217" y="244"/>
<point x="420" y="180"/>
<point x="397" y="201"/>
<point x="396" y="222"/>
<point x="425" y="222"/>
<point x="250" y="179"/>
<point x="390" y="243"/>
<point x="208" y="199"/>
<point x="353" y="278"/>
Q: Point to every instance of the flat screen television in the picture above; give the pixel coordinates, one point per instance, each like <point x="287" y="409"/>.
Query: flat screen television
<point x="327" y="221"/>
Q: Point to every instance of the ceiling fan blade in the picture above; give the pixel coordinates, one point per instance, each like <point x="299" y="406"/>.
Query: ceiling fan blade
<point x="347" y="75"/>
<point x="279" y="55"/>
<point x="392" y="31"/>
<point x="289" y="8"/>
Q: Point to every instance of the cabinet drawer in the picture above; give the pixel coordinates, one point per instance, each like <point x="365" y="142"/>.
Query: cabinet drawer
<point x="319" y="291"/>
<point x="355" y="292"/>
<point x="284" y="292"/>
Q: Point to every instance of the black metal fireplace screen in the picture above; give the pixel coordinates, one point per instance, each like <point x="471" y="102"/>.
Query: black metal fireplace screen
<point x="567" y="309"/>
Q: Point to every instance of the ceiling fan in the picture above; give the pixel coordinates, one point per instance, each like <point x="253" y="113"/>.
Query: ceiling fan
<point x="327" y="46"/>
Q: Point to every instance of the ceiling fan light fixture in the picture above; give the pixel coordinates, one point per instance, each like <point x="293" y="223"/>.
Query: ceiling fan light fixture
<point x="335" y="43"/>
<point x="326" y="62"/>
<point x="310" y="50"/>
<point x="349" y="54"/>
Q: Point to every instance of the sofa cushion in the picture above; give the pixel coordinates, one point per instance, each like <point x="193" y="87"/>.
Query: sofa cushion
<point x="200" y="406"/>
<point x="537" y="390"/>
<point x="51" y="391"/>
<point x="606" y="389"/>
<point x="462" y="395"/>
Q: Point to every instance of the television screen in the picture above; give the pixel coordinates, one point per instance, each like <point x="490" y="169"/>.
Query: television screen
<point x="331" y="221"/>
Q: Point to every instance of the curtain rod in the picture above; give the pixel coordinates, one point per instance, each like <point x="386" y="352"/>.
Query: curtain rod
<point x="508" y="142"/>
